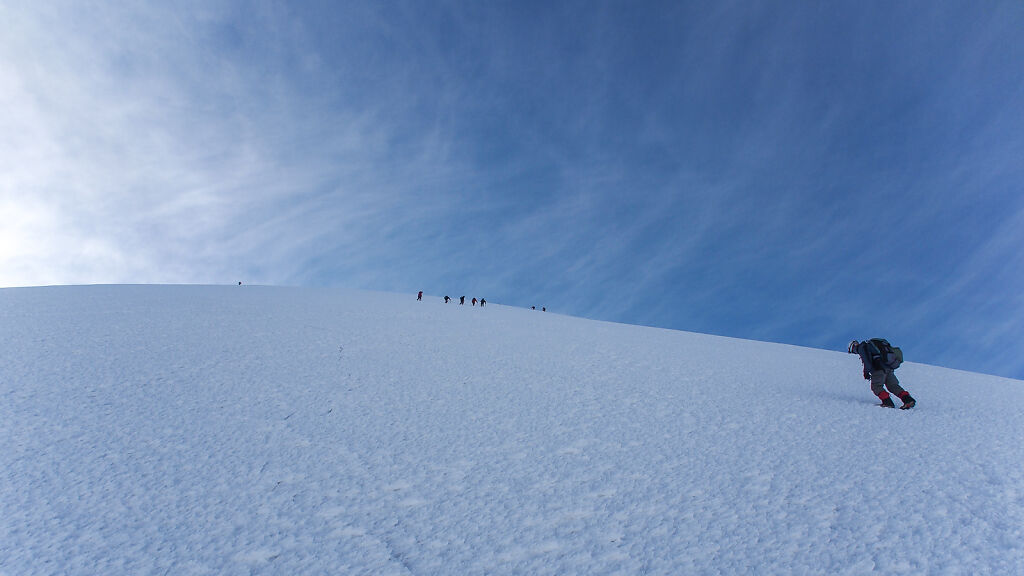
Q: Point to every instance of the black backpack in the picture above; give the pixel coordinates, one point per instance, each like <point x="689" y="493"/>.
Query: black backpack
<point x="891" y="355"/>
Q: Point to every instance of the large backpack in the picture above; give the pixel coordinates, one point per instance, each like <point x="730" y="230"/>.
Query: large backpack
<point x="891" y="355"/>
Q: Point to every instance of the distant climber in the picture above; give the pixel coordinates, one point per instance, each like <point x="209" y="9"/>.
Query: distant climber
<point x="462" y="299"/>
<point x="482" y="302"/>
<point x="419" y="296"/>
<point x="474" y="301"/>
<point x="880" y="360"/>
<point x="446" y="299"/>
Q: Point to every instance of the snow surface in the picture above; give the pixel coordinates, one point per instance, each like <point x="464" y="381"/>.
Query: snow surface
<point x="252" y="430"/>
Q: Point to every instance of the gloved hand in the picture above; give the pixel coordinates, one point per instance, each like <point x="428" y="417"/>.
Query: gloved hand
<point x="867" y="375"/>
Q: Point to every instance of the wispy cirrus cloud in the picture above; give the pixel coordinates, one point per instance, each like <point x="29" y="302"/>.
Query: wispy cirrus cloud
<point x="146" y="144"/>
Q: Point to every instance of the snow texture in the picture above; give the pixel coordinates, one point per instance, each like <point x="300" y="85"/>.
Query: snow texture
<point x="253" y="430"/>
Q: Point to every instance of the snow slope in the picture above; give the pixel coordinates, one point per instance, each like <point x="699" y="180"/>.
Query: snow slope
<point x="251" y="430"/>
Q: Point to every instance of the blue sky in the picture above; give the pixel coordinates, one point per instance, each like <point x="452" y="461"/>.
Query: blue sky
<point x="795" y="172"/>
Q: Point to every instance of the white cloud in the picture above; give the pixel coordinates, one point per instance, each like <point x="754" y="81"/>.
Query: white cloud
<point x="140" y="150"/>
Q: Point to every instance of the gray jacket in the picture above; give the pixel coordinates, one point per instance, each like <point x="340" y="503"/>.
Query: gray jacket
<point x="870" y="356"/>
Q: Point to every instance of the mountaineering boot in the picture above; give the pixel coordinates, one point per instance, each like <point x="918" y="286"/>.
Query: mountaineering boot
<point x="887" y="402"/>
<point x="908" y="401"/>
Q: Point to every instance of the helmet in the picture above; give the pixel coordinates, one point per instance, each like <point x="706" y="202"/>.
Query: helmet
<point x="852" y="349"/>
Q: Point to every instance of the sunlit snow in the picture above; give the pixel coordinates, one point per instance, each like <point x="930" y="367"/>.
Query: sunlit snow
<point x="252" y="430"/>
